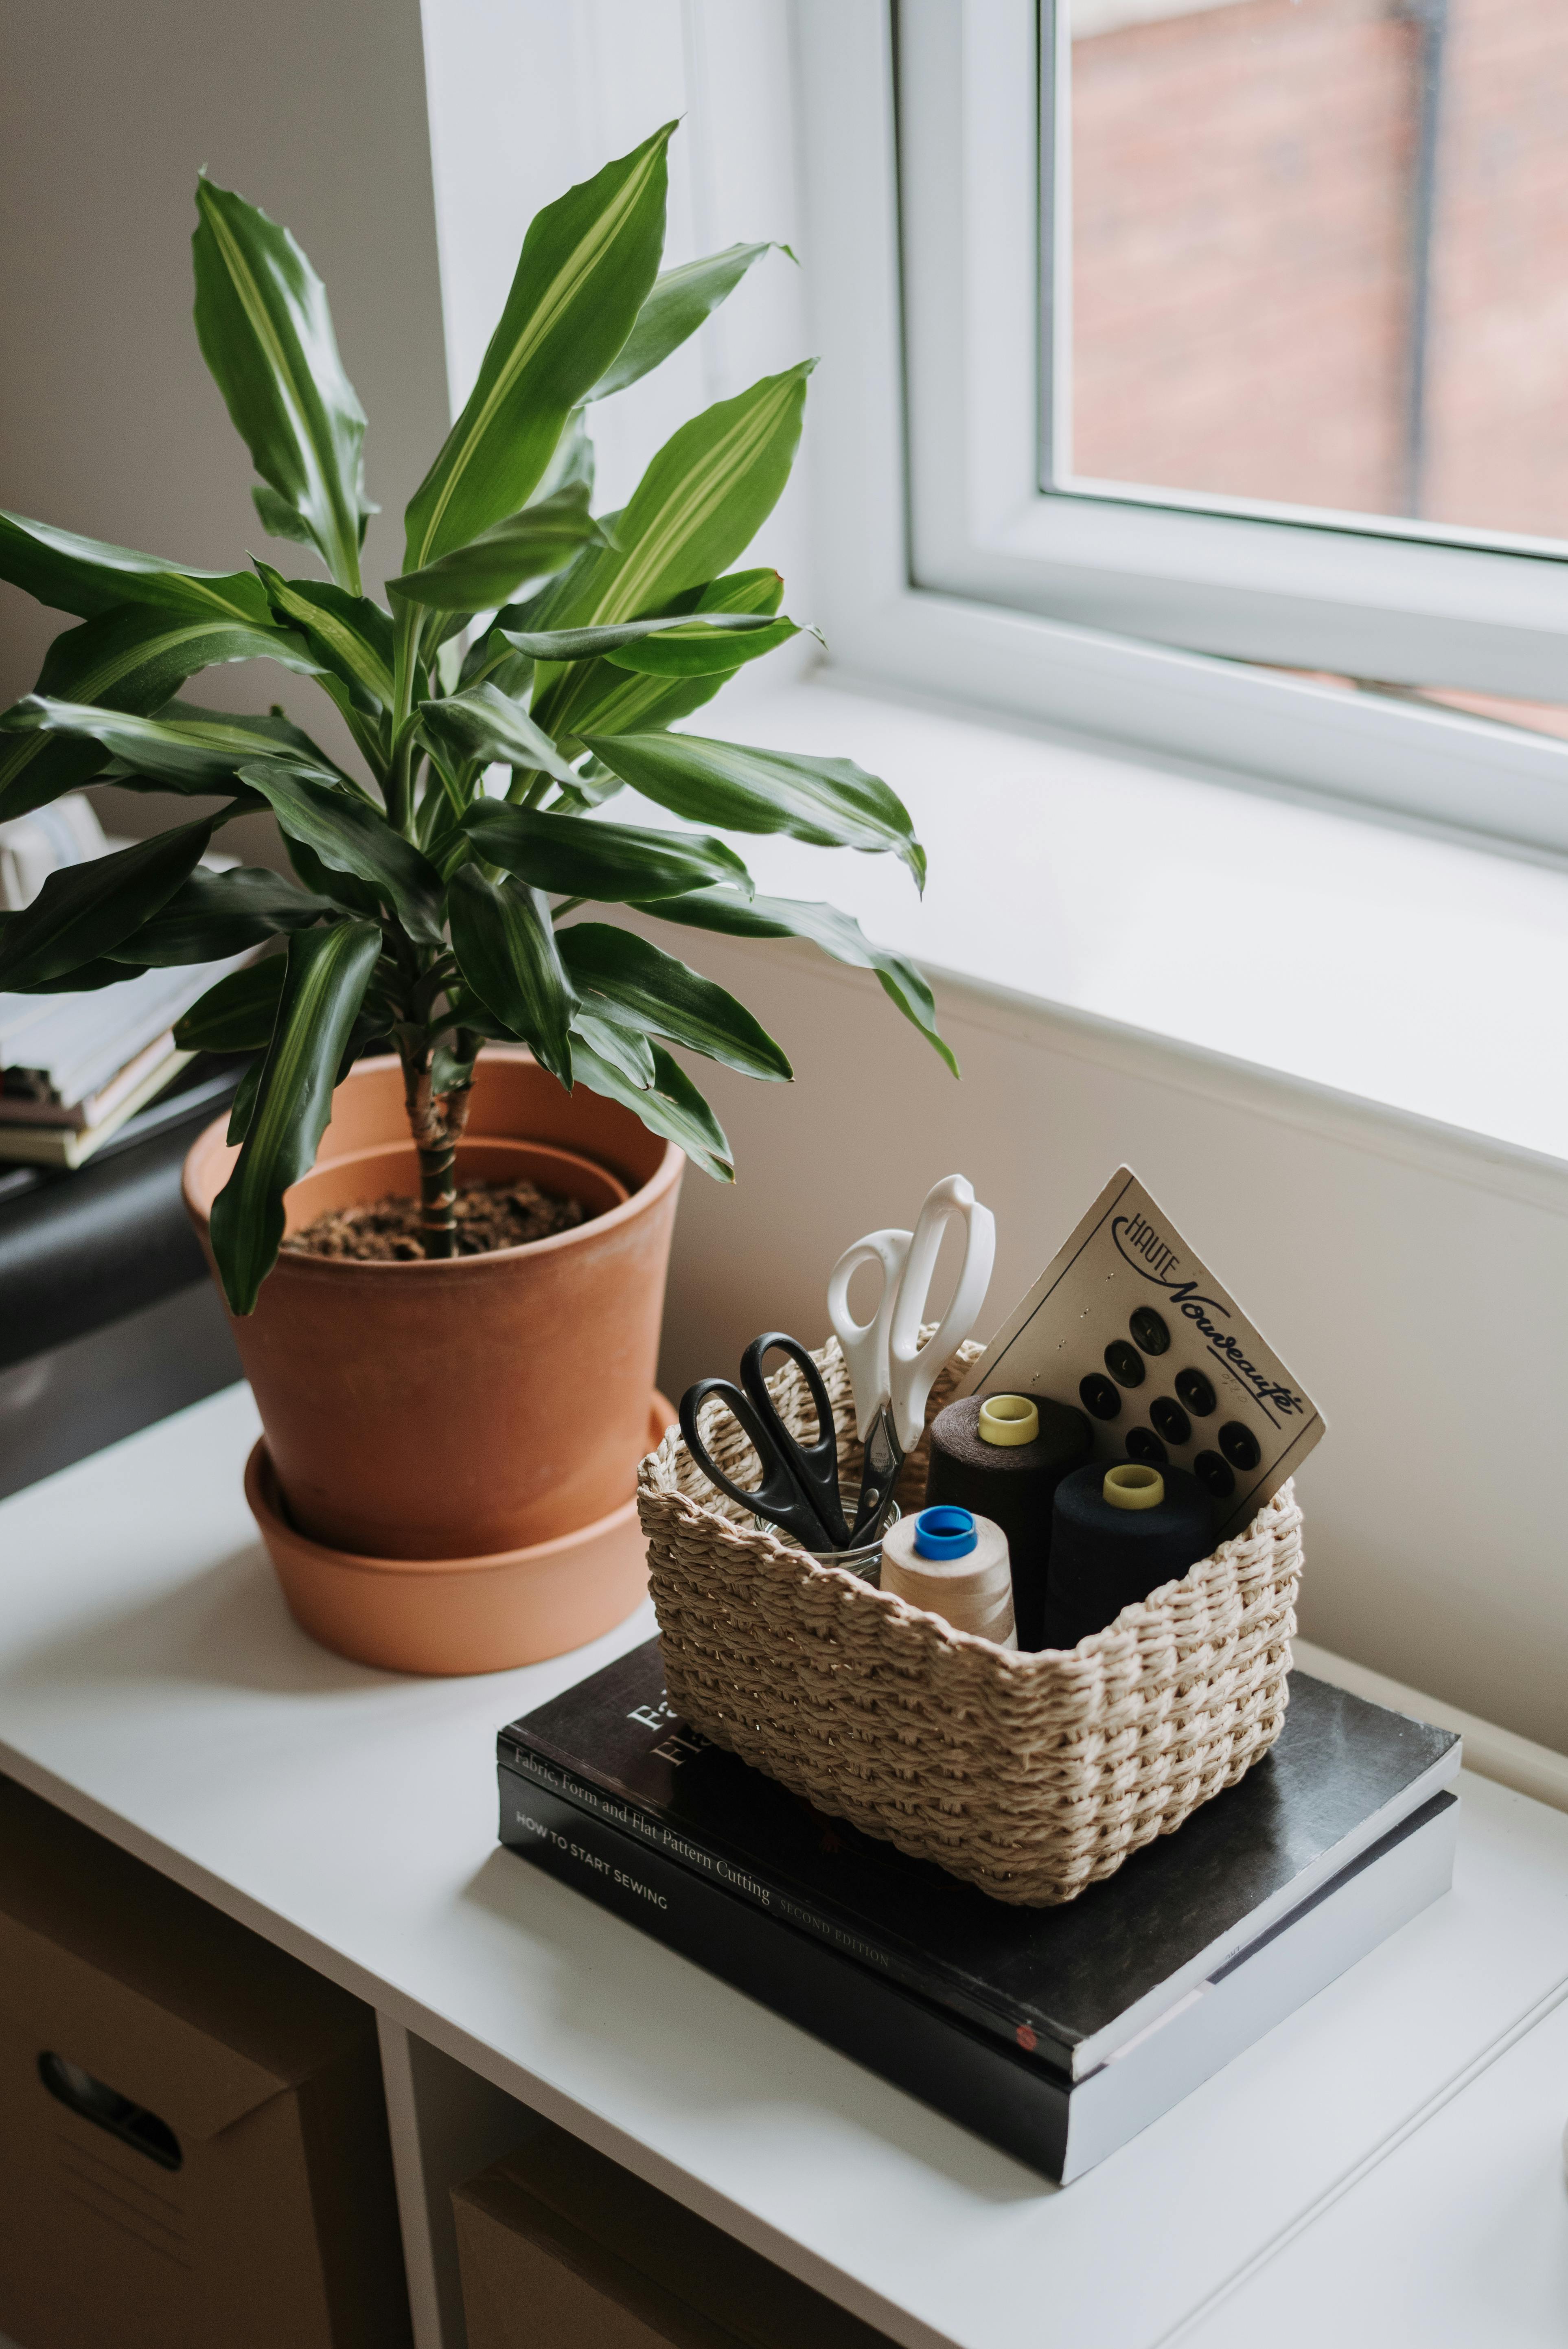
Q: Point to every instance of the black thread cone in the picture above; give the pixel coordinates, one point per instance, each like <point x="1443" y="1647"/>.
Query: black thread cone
<point x="1014" y="1484"/>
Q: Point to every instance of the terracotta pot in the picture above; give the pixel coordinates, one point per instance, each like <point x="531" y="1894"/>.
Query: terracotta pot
<point x="459" y="1614"/>
<point x="462" y="1409"/>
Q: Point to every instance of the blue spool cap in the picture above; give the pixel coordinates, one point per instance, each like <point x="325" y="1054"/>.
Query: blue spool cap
<point x="945" y="1532"/>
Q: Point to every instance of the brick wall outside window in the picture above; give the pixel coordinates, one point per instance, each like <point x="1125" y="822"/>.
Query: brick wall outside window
<point x="1244" y="182"/>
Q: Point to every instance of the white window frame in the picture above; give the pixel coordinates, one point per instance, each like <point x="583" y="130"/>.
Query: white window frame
<point x="1118" y="613"/>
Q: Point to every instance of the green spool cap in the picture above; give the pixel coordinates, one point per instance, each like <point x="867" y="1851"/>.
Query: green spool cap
<point x="1130" y="1486"/>
<point x="1009" y="1418"/>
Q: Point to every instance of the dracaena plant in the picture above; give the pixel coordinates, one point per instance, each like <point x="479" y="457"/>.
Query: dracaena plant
<point x="525" y="642"/>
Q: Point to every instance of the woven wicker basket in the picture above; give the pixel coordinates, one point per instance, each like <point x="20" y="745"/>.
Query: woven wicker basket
<point x="1028" y="1774"/>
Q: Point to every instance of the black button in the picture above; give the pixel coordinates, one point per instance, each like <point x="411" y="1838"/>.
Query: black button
<point x="1239" y="1445"/>
<point x="1124" y="1363"/>
<point x="1171" y="1420"/>
<point x="1143" y="1446"/>
<point x="1211" y="1470"/>
<point x="1149" y="1330"/>
<point x="1196" y="1392"/>
<point x="1098" y="1395"/>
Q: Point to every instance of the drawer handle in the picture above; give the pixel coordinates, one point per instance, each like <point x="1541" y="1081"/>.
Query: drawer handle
<point x="107" y="2109"/>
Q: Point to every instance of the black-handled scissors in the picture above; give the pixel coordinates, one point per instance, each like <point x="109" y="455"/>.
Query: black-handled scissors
<point x="800" y="1484"/>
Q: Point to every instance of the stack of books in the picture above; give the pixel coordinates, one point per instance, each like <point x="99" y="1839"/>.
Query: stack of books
<point x="74" y="1068"/>
<point x="1057" y="2034"/>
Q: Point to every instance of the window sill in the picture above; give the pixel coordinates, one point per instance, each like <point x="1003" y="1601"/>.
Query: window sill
<point x="1412" y="972"/>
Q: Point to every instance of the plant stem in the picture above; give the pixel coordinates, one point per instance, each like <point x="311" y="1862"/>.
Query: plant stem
<point x="436" y="1142"/>
<point x="456" y="1105"/>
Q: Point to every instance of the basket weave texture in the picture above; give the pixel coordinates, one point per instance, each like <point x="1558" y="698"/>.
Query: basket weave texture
<point x="1027" y="1775"/>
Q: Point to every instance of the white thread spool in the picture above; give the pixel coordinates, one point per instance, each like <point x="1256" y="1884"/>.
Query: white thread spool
<point x="968" y="1581"/>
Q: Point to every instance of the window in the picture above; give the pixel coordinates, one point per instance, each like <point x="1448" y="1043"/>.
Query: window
<point x="1225" y="340"/>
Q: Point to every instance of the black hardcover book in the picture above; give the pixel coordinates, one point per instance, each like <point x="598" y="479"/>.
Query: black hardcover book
<point x="1067" y="1986"/>
<point x="1008" y="2095"/>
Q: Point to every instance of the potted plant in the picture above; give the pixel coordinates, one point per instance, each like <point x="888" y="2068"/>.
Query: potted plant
<point x="434" y="987"/>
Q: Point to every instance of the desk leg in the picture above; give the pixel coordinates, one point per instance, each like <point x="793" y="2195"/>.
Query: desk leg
<point x="446" y="2123"/>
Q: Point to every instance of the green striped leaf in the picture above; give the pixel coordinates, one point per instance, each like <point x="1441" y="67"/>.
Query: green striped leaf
<point x="270" y="734"/>
<point x="350" y="897"/>
<point x="243" y="1106"/>
<point x="238" y="1014"/>
<point x="351" y="836"/>
<point x="699" y="504"/>
<point x="626" y="1049"/>
<point x="82" y="978"/>
<point x="213" y="914"/>
<point x="506" y="656"/>
<point x="278" y="518"/>
<point x="588" y="261"/>
<point x="609" y="701"/>
<point x="703" y="648"/>
<point x="830" y="802"/>
<point x="87" y="576"/>
<point x="136" y="656"/>
<point x="486" y="725"/>
<point x="671" y="1106"/>
<point x="505" y="950"/>
<point x="131" y="659"/>
<point x="625" y="977"/>
<point x="37" y="767"/>
<point x="838" y="935"/>
<point x="609" y="861"/>
<point x="348" y="634"/>
<point x="491" y="568"/>
<point x="86" y="911"/>
<point x="325" y="979"/>
<point x="265" y="332"/>
<point x="589" y="643"/>
<point x="681" y="299"/>
<point x="185" y="754"/>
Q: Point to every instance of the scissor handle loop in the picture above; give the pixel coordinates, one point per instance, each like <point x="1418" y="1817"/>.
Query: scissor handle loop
<point x="777" y="1496"/>
<point x="911" y="1367"/>
<point x="814" y="1466"/>
<point x="864" y="1344"/>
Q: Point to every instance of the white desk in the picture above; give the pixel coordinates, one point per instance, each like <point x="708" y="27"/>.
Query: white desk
<point x="1383" y="2167"/>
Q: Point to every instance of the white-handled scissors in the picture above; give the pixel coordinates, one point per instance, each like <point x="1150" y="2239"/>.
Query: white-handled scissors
<point x="890" y="1371"/>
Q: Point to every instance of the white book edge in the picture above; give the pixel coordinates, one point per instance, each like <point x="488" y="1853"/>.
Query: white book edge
<point x="82" y="1114"/>
<point x="84" y="1040"/>
<point x="1134" y="2020"/>
<point x="1220" y="2019"/>
<point x="56" y="1145"/>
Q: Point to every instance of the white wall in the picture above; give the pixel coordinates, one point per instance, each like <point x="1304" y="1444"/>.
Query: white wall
<point x="109" y="422"/>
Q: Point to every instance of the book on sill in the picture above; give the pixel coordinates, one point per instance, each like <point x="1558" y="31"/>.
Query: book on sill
<point x="62" y="1051"/>
<point x="24" y="1109"/>
<point x="1077" y="1981"/>
<point x="71" y="1144"/>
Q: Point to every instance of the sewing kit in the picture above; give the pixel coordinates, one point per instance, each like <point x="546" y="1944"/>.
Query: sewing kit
<point x="1006" y="1614"/>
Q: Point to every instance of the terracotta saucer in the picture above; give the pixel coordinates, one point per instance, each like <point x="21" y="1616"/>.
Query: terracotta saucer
<point x="451" y="1615"/>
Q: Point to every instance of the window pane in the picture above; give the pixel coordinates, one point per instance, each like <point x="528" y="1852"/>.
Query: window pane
<point x="1320" y="254"/>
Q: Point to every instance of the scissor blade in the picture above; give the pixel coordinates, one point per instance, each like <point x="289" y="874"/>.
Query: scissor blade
<point x="878" y="1474"/>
